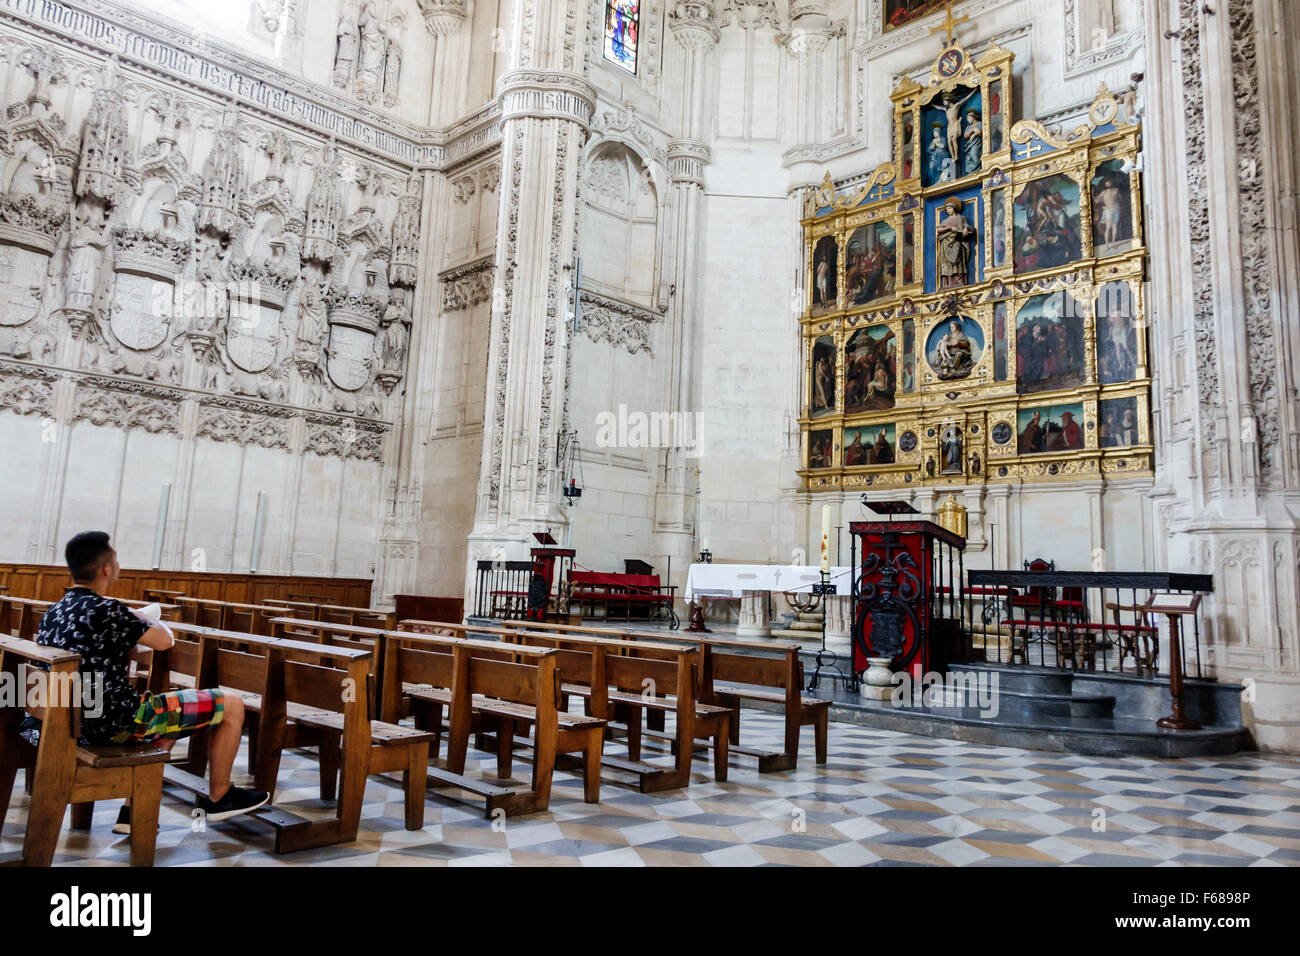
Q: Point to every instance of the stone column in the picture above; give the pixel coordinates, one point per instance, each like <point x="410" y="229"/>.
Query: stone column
<point x="1221" y="129"/>
<point x="694" y="28"/>
<point x="546" y="109"/>
<point x="755" y="616"/>
<point x="839" y="620"/>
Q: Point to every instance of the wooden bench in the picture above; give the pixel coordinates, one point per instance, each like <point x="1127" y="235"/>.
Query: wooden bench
<point x="746" y="669"/>
<point x="302" y="695"/>
<point x="62" y="770"/>
<point x="481" y="683"/>
<point x="228" y="615"/>
<point x="334" y="613"/>
<point x="612" y="591"/>
<point x="21" y="617"/>
<point x="628" y="679"/>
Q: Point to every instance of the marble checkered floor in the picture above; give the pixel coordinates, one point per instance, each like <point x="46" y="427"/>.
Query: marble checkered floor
<point x="883" y="799"/>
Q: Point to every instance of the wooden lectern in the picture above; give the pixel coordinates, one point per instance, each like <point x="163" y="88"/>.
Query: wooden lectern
<point x="907" y="593"/>
<point x="546" y="557"/>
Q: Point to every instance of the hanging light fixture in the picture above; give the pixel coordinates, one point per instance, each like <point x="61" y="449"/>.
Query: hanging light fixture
<point x="570" y="463"/>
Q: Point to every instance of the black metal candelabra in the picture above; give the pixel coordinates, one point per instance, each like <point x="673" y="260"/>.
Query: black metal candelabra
<point x="828" y="658"/>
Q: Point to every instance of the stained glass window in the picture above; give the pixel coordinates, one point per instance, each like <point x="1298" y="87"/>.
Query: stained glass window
<point x="622" y="24"/>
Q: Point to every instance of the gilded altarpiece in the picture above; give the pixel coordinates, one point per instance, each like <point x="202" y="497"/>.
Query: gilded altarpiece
<point x="974" y="311"/>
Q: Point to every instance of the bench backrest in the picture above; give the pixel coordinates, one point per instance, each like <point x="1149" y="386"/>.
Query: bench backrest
<point x="48" y="687"/>
<point x="21" y="617"/>
<point x="611" y="579"/>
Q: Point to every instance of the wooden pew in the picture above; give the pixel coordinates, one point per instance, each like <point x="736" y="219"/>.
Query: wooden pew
<point x="63" y="771"/>
<point x="630" y="667"/>
<point x="21" y="617"/>
<point x="304" y="695"/>
<point x="642" y="677"/>
<point x="483" y="682"/>
<point x="228" y="615"/>
<point x="161" y="596"/>
<point x="739" y="666"/>
<point x="336" y="614"/>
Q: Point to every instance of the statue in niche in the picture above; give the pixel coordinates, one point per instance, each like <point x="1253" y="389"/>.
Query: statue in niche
<point x="213" y="304"/>
<point x="952" y="110"/>
<point x="88" y="240"/>
<point x="345" y="47"/>
<point x="953" y="236"/>
<point x="937" y="153"/>
<point x="972" y="143"/>
<point x="392" y="347"/>
<point x="392" y="62"/>
<point x="951" y="444"/>
<point x="370" y="63"/>
<point x="312" y="313"/>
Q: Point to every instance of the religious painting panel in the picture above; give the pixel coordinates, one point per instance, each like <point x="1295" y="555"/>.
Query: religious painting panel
<point x="954" y="142"/>
<point x="1049" y="428"/>
<point x="954" y="347"/>
<point x="870" y="370"/>
<point x="825" y="270"/>
<point x="909" y="249"/>
<point x="897" y="13"/>
<point x="1119" y="422"/>
<point x="821" y="448"/>
<point x="1112" y="209"/>
<point x="907" y="144"/>
<point x="870" y="264"/>
<point x="998" y="240"/>
<point x="997" y="118"/>
<point x="1047" y="224"/>
<point x="823" y="376"/>
<point x="1117" y="338"/>
<point x="869" y="445"/>
<point x="1000" y="342"/>
<point x="909" y="356"/>
<point x="1049" y="344"/>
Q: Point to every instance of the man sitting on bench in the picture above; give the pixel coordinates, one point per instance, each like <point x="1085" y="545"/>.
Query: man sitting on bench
<point x="104" y="632"/>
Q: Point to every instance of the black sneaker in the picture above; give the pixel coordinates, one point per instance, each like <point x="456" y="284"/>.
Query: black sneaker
<point x="123" y="825"/>
<point x="236" y="801"/>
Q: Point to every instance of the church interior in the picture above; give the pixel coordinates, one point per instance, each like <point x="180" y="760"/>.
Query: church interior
<point x="655" y="432"/>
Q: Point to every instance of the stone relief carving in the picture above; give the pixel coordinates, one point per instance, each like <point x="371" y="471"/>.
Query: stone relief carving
<point x="468" y="285"/>
<point x="617" y="323"/>
<point x="1256" y="261"/>
<point x="183" y="278"/>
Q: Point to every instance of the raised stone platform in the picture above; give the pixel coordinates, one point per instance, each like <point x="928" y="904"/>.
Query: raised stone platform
<point x="1058" y="710"/>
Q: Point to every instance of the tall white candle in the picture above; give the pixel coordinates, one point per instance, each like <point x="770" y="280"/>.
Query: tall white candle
<point x="826" y="537"/>
<point x="704" y="545"/>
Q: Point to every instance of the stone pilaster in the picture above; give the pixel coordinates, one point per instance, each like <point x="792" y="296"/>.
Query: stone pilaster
<point x="1221" y="133"/>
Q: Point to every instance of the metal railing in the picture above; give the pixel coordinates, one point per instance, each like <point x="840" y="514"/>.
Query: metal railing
<point x="501" y="589"/>
<point x="1081" y="620"/>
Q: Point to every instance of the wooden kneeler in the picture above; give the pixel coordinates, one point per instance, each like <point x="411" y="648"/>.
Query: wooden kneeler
<point x="64" y="772"/>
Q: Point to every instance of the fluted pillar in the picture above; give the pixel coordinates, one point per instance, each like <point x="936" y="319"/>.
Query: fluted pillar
<point x="696" y="34"/>
<point x="546" y="109"/>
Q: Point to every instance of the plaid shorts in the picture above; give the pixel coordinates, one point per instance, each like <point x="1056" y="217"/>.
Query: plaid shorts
<point x="174" y="716"/>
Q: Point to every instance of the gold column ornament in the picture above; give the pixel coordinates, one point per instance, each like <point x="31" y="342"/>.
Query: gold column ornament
<point x="952" y="516"/>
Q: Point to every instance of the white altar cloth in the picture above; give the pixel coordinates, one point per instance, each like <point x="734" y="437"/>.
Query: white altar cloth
<point x="732" y="580"/>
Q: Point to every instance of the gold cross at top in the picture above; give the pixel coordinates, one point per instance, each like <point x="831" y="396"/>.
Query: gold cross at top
<point x="949" y="24"/>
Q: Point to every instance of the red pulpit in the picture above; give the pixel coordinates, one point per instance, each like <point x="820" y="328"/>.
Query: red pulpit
<point x="545" y="559"/>
<point x="907" y="580"/>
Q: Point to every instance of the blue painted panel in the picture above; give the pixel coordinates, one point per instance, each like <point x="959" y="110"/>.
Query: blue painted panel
<point x="972" y="201"/>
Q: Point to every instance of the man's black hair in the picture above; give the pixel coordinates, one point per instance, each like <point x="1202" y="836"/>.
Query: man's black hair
<point x="85" y="553"/>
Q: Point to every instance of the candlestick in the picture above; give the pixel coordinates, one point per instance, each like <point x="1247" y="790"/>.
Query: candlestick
<point x="826" y="538"/>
